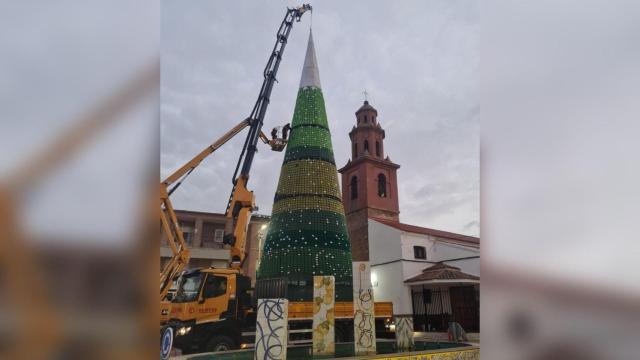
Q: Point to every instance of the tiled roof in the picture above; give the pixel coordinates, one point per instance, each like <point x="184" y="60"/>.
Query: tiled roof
<point x="442" y="271"/>
<point x="428" y="231"/>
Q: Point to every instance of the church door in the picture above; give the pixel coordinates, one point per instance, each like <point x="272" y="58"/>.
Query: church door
<point x="465" y="307"/>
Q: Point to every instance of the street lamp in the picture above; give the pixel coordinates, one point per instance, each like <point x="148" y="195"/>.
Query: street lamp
<point x="374" y="279"/>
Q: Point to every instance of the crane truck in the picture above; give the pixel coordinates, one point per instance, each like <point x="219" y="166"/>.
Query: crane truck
<point x="212" y="309"/>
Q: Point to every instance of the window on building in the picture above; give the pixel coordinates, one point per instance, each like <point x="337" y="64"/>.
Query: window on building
<point x="419" y="252"/>
<point x="218" y="235"/>
<point x="212" y="233"/>
<point x="366" y="145"/>
<point x="188" y="230"/>
<point x="355" y="150"/>
<point x="378" y="148"/>
<point x="365" y="119"/>
<point x="188" y="239"/>
<point x="215" y="286"/>
<point x="354" y="187"/>
<point x="382" y="185"/>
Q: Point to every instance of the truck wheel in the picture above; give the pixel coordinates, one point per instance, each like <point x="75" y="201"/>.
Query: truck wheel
<point x="166" y="341"/>
<point x="219" y="343"/>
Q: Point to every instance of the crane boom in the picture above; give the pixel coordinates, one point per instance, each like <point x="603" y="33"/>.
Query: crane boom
<point x="260" y="108"/>
<point x="241" y="201"/>
<point x="193" y="163"/>
<point x="168" y="219"/>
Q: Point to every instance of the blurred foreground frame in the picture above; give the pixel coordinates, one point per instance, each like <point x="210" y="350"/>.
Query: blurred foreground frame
<point x="73" y="301"/>
<point x="534" y="317"/>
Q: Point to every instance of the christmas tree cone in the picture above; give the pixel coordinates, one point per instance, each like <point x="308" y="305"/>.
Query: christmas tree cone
<point x="308" y="235"/>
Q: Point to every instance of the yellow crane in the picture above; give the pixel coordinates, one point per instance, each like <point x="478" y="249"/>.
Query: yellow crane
<point x="214" y="301"/>
<point x="242" y="201"/>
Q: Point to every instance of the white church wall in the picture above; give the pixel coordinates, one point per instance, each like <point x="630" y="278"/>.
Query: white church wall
<point x="409" y="240"/>
<point x="387" y="286"/>
<point x="385" y="254"/>
<point x="384" y="243"/>
<point x="469" y="266"/>
<point x="411" y="269"/>
<point x="437" y="251"/>
<point x="446" y="250"/>
<point x="443" y="250"/>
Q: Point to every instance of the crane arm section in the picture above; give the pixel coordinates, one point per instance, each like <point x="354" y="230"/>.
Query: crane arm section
<point x="168" y="220"/>
<point x="242" y="201"/>
<point x="260" y="108"/>
<point x="193" y="163"/>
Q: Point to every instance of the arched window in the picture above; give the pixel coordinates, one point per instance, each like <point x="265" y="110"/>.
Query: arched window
<point x="365" y="119"/>
<point x="378" y="148"/>
<point x="366" y="145"/>
<point x="355" y="150"/>
<point x="382" y="185"/>
<point x="354" y="187"/>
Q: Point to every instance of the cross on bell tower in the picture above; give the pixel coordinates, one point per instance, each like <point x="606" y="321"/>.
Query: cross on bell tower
<point x="369" y="180"/>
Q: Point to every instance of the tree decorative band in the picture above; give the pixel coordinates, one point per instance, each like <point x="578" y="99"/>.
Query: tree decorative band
<point x="308" y="235"/>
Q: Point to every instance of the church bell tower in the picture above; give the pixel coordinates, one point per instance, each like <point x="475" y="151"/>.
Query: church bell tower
<point x="369" y="181"/>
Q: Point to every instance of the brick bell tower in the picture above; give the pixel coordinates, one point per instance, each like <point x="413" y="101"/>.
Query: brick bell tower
<point x="369" y="181"/>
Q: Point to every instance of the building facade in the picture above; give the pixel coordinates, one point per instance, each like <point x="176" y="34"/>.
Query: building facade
<point x="203" y="233"/>
<point x="431" y="274"/>
<point x="428" y="273"/>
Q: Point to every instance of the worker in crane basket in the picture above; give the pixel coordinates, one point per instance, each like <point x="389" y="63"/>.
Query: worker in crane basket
<point x="285" y="131"/>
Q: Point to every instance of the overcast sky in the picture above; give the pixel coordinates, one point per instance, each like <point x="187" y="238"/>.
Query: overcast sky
<point x="418" y="60"/>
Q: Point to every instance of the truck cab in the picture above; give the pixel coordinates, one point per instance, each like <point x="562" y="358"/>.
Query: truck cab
<point x="209" y="309"/>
